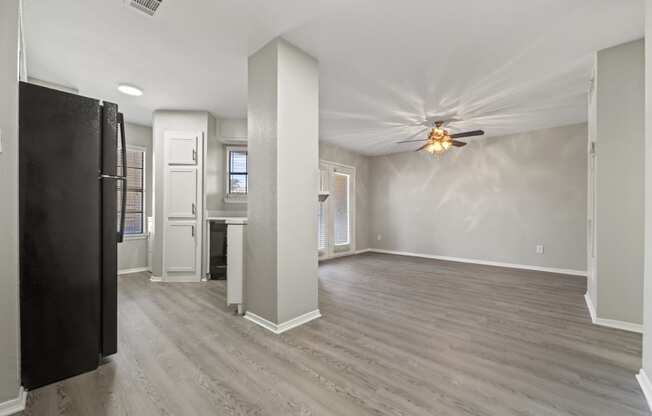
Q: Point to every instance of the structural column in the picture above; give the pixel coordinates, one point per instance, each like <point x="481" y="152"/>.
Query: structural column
<point x="281" y="244"/>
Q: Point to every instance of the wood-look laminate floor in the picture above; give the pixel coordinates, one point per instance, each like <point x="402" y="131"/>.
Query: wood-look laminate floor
<point x="399" y="336"/>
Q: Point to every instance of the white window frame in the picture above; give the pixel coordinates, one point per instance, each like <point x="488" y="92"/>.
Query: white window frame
<point x="230" y="198"/>
<point x="336" y="250"/>
<point x="144" y="234"/>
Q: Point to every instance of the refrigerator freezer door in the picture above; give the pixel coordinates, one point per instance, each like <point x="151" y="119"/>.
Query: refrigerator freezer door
<point x="60" y="286"/>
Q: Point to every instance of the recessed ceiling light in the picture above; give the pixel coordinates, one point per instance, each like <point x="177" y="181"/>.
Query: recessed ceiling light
<point x="130" y="90"/>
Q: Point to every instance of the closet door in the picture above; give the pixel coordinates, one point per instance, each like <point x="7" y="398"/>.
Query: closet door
<point x="182" y="192"/>
<point x="182" y="149"/>
<point x="181" y="248"/>
<point x="183" y="206"/>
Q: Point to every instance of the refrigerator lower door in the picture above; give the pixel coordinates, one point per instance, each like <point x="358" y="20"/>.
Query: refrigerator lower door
<point x="60" y="257"/>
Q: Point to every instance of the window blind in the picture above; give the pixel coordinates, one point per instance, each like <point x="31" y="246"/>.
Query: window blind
<point x="135" y="208"/>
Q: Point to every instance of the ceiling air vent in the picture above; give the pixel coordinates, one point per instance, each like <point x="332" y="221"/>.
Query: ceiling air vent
<point x="146" y="6"/>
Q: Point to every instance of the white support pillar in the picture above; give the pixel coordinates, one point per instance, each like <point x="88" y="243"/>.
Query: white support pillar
<point x="281" y="243"/>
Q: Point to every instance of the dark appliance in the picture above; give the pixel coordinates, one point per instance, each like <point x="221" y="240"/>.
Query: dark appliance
<point x="69" y="231"/>
<point x="217" y="259"/>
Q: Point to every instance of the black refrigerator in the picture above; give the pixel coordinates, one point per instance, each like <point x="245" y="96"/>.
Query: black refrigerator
<point x="69" y="228"/>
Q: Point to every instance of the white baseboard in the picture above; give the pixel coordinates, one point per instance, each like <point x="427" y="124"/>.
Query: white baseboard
<point x="646" y="386"/>
<point x="285" y="326"/>
<point x="13" y="406"/>
<point x="155" y="279"/>
<point x="483" y="262"/>
<point x="589" y="306"/>
<point x="134" y="270"/>
<point x="610" y="323"/>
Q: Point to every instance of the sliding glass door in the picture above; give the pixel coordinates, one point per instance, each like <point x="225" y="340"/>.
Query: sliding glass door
<point x="336" y="211"/>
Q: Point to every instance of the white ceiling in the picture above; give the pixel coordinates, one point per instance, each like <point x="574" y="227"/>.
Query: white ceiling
<point x="504" y="66"/>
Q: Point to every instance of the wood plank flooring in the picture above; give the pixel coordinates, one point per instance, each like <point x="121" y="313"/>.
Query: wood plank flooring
<point x="399" y="336"/>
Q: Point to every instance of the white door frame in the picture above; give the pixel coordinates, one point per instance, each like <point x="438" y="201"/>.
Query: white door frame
<point x="331" y="169"/>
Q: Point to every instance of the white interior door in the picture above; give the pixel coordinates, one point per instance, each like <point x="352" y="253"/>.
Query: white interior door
<point x="337" y="212"/>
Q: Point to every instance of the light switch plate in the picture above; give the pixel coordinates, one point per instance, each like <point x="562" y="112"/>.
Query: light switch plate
<point x="0" y="140"/>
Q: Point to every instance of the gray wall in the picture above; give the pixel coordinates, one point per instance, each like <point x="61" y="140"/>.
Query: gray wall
<point x="331" y="153"/>
<point x="9" y="341"/>
<point x="283" y="122"/>
<point x="261" y="248"/>
<point x="619" y="182"/>
<point x="647" y="295"/>
<point x="132" y="253"/>
<point x="493" y="200"/>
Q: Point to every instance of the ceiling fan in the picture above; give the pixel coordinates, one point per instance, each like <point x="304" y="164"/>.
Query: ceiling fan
<point x="440" y="140"/>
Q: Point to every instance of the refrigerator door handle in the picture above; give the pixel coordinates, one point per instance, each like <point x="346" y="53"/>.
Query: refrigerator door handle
<point x="123" y="203"/>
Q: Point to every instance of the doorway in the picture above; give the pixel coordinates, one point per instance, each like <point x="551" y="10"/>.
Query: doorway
<point x="337" y="211"/>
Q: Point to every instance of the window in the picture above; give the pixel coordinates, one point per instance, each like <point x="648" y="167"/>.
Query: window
<point x="135" y="207"/>
<point x="341" y="201"/>
<point x="237" y="181"/>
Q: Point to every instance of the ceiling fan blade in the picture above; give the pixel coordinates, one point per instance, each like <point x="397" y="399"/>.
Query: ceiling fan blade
<point x="458" y="143"/>
<point x="412" y="141"/>
<point x="423" y="147"/>
<point x="410" y="138"/>
<point x="467" y="134"/>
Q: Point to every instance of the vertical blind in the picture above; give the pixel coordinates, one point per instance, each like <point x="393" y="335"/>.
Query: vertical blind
<point x="135" y="209"/>
<point x="238" y="179"/>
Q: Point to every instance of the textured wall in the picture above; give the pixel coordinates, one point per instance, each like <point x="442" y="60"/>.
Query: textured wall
<point x="493" y="200"/>
<point x="331" y="153"/>
<point x="619" y="182"/>
<point x="132" y="253"/>
<point x="9" y="350"/>
<point x="647" y="296"/>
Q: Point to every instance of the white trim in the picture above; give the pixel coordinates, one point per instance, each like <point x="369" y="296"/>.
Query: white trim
<point x="589" y="306"/>
<point x="155" y="279"/>
<point x="622" y="325"/>
<point x="285" y="326"/>
<point x="646" y="386"/>
<point x="571" y="272"/>
<point x="136" y="237"/>
<point x="133" y="270"/>
<point x="610" y="323"/>
<point x="13" y="406"/>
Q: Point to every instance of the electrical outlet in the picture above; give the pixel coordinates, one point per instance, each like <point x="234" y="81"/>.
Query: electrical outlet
<point x="379" y="237"/>
<point x="539" y="249"/>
